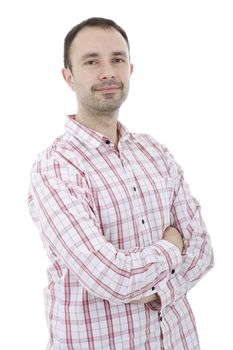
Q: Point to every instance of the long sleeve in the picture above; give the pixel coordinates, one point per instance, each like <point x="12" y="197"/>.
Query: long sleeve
<point x="101" y="214"/>
<point x="64" y="216"/>
<point x="197" y="257"/>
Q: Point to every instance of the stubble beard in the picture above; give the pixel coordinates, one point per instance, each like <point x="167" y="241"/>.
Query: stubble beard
<point x="105" y="103"/>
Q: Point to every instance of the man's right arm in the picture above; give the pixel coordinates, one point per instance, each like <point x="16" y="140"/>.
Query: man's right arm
<point x="68" y="225"/>
<point x="172" y="235"/>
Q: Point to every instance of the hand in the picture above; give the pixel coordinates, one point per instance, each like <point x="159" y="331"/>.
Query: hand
<point x="145" y="300"/>
<point x="172" y="235"/>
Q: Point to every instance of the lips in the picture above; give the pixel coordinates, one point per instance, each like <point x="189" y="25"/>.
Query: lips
<point x="108" y="88"/>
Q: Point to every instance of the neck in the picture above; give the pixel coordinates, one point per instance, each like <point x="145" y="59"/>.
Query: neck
<point x="104" y="124"/>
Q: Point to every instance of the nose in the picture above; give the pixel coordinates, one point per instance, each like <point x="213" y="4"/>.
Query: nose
<point x="106" y="72"/>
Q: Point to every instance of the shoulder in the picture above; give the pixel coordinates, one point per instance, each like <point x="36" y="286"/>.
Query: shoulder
<point x="56" y="161"/>
<point x="148" y="140"/>
<point x="150" y="146"/>
<point x="158" y="152"/>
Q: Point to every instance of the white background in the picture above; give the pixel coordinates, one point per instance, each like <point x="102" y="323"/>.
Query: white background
<point x="181" y="93"/>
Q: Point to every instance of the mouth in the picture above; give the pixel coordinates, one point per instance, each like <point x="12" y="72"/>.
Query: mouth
<point x="108" y="89"/>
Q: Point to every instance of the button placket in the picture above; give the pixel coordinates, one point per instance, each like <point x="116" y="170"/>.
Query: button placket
<point x="136" y="200"/>
<point x="160" y="317"/>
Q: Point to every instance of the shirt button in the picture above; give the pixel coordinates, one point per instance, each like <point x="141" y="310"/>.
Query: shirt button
<point x="107" y="142"/>
<point x="160" y="317"/>
<point x="173" y="271"/>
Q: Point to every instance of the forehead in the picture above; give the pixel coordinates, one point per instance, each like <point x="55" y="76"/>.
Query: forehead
<point x="102" y="41"/>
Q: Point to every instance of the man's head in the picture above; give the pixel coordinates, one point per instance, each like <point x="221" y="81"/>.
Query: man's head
<point x="92" y="22"/>
<point x="97" y="65"/>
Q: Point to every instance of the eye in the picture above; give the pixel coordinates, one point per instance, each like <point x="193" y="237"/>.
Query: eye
<point x="90" y="62"/>
<point x="118" y="60"/>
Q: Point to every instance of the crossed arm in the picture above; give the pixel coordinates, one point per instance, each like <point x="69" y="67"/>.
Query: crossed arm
<point x="68" y="227"/>
<point x="172" y="235"/>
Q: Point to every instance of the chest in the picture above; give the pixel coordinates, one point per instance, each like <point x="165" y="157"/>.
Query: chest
<point x="131" y="197"/>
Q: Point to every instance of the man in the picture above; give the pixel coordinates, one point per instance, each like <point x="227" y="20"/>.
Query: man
<point x="125" y="238"/>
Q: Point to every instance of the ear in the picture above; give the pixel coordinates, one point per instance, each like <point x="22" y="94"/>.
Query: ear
<point x="131" y="68"/>
<point x="68" y="77"/>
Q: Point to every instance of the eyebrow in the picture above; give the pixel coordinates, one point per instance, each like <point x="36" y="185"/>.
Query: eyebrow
<point x="95" y="54"/>
<point x="119" y="53"/>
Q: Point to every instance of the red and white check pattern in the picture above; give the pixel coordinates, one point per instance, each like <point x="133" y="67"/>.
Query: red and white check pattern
<point x="101" y="215"/>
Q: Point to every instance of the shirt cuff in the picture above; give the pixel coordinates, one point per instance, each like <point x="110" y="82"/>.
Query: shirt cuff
<point x="171" y="253"/>
<point x="165" y="294"/>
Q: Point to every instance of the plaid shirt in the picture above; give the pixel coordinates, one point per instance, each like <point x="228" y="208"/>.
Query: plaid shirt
<point x="101" y="214"/>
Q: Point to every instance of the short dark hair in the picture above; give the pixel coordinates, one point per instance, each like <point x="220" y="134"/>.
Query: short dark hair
<point x="90" y="22"/>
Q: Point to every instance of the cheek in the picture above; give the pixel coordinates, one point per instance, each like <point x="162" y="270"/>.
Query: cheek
<point x="125" y="76"/>
<point x="126" y="81"/>
<point x="83" y="89"/>
<point x="82" y="84"/>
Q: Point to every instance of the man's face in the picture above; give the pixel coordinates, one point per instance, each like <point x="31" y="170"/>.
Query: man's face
<point x="100" y="70"/>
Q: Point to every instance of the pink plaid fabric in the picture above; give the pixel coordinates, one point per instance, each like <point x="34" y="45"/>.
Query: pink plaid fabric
<point x="101" y="215"/>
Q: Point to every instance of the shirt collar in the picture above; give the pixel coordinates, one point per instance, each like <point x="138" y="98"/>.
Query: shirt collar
<point x="89" y="136"/>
